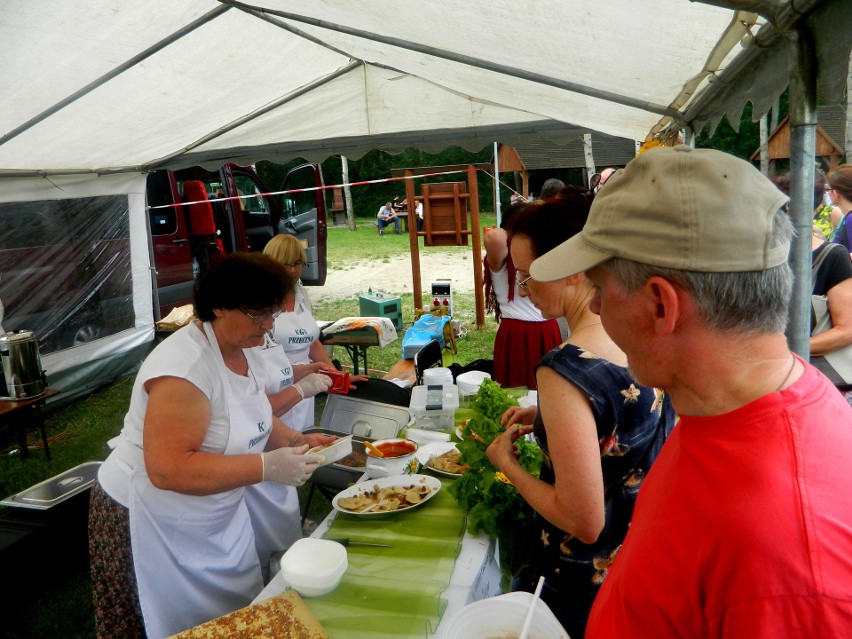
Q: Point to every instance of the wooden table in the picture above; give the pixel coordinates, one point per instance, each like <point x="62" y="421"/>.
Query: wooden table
<point x="24" y="414"/>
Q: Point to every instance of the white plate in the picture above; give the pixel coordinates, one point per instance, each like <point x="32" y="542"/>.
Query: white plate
<point x="387" y="482"/>
<point x="338" y="449"/>
<point x="425" y="454"/>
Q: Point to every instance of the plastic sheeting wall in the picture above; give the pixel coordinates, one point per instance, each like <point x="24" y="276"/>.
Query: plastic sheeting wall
<point x="74" y="268"/>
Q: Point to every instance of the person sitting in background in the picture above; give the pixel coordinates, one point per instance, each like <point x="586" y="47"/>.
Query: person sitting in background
<point x="551" y="188"/>
<point x="840" y="180"/>
<point x="742" y="526"/>
<point x="523" y="336"/>
<point x="170" y="536"/>
<point x="599" y="431"/>
<point x="418" y="211"/>
<point x="385" y="217"/>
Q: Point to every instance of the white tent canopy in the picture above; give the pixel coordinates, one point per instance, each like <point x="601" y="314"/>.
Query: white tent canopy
<point x="105" y="86"/>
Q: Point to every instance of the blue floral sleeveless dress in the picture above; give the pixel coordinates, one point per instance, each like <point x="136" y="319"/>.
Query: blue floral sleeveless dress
<point x="632" y="423"/>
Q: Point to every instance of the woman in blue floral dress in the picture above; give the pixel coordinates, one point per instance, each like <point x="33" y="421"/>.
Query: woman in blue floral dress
<point x="599" y="431"/>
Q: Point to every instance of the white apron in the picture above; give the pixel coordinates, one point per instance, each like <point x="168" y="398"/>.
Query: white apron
<point x="296" y="332"/>
<point x="194" y="555"/>
<point x="274" y="508"/>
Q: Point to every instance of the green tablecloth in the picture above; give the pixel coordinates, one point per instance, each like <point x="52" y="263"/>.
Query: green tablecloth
<point x="394" y="592"/>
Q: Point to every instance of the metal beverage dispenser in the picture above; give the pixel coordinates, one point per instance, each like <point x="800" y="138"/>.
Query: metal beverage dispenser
<point x="22" y="365"/>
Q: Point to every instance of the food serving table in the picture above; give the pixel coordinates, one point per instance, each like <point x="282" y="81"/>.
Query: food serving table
<point x="434" y="569"/>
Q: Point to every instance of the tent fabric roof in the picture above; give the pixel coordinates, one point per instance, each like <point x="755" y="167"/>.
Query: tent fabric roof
<point x="111" y="86"/>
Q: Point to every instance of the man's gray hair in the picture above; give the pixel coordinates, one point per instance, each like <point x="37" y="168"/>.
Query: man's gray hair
<point x="748" y="301"/>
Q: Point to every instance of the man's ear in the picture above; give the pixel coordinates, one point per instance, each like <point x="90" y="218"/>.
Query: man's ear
<point x="664" y="303"/>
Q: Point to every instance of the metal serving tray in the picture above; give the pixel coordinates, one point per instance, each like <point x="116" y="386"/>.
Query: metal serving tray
<point x="56" y="490"/>
<point x="363" y="418"/>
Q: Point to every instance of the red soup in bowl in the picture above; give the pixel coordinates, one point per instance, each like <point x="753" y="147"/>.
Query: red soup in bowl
<point x="395" y="448"/>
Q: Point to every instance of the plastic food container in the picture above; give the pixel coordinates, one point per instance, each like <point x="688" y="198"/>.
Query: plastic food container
<point x="503" y="616"/>
<point x="314" y="567"/>
<point x="468" y="384"/>
<point x="433" y="407"/>
<point x="338" y="449"/>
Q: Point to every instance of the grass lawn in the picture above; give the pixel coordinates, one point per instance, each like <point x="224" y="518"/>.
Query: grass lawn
<point x="79" y="432"/>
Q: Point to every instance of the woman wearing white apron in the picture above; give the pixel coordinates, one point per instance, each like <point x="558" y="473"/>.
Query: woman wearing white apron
<point x="295" y="328"/>
<point x="273" y="507"/>
<point x="170" y="536"/>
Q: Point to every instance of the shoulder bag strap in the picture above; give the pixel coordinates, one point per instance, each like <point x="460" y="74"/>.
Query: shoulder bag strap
<point x="818" y="261"/>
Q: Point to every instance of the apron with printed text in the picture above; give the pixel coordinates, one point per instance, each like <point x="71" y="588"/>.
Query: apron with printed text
<point x="194" y="556"/>
<point x="273" y="507"/>
<point x="296" y="332"/>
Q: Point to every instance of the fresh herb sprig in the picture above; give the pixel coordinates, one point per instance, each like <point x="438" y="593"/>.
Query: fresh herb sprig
<point x="494" y="505"/>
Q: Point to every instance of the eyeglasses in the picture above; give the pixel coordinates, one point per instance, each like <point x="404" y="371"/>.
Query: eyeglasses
<point x="298" y="264"/>
<point x="260" y="318"/>
<point x="522" y="283"/>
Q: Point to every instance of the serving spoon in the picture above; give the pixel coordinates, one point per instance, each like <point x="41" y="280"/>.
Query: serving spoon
<point x="376" y="452"/>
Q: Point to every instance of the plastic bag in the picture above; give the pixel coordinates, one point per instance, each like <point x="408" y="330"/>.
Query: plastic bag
<point x="427" y="328"/>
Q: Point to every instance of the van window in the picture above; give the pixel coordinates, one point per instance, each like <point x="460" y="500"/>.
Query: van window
<point x="293" y="204"/>
<point x="163" y="221"/>
<point x="255" y="209"/>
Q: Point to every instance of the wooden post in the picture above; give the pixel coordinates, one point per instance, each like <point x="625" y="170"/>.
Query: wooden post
<point x="476" y="229"/>
<point x="413" y="242"/>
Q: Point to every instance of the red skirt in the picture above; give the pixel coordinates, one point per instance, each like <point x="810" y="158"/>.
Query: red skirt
<point x="518" y="347"/>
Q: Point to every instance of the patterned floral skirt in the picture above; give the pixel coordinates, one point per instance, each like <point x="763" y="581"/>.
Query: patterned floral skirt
<point x="114" y="592"/>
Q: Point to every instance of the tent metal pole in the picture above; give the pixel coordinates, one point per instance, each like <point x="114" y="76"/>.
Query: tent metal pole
<point x="497" y="208"/>
<point x="802" y="151"/>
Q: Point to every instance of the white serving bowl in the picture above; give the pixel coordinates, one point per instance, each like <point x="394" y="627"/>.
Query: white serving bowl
<point x="314" y="567"/>
<point x="336" y="450"/>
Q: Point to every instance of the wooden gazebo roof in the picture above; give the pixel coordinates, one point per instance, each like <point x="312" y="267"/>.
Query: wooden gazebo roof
<point x="830" y="137"/>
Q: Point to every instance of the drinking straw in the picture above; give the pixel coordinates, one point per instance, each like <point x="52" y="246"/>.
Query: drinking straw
<point x="528" y="621"/>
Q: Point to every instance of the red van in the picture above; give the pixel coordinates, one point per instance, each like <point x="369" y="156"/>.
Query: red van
<point x="197" y="216"/>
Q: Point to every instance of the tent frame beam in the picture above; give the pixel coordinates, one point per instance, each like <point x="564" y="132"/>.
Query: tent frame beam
<point x="478" y="63"/>
<point x="118" y="70"/>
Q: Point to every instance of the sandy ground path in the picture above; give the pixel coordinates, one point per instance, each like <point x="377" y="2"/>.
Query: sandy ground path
<point x="394" y="276"/>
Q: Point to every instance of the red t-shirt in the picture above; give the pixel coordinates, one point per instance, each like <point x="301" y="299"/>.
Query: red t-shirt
<point x="743" y="527"/>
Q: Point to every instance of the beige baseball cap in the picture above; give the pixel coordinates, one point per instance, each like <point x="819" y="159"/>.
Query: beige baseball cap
<point x="676" y="207"/>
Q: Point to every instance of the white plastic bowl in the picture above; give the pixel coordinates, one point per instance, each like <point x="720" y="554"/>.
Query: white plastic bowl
<point x="314" y="567"/>
<point x="334" y="451"/>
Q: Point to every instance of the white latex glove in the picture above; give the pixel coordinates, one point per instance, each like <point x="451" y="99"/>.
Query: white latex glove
<point x="313" y="384"/>
<point x="289" y="465"/>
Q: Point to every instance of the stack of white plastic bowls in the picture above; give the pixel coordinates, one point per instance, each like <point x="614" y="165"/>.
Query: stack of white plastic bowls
<point x="469" y="384"/>
<point x="437" y="377"/>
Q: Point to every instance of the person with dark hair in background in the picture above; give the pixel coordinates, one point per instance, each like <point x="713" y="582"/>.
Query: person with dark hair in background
<point x="831" y="277"/>
<point x="523" y="336"/>
<point x="551" y="188"/>
<point x="170" y="537"/>
<point x="840" y="181"/>
<point x="598" y="430"/>
<point x="743" y="525"/>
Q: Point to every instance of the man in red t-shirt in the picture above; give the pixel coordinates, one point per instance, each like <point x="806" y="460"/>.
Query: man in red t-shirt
<point x="743" y="526"/>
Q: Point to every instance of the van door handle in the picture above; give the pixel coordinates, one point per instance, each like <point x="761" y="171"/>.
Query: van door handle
<point x="179" y="240"/>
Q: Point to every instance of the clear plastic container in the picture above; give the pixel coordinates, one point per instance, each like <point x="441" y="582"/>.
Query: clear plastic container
<point x="433" y="407"/>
